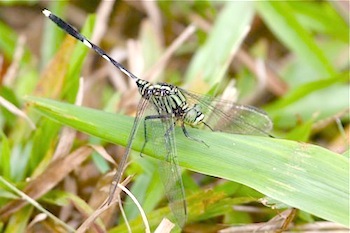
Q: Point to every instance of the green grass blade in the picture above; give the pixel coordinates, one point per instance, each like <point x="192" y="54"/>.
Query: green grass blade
<point x="301" y="175"/>
<point x="8" y="43"/>
<point x="303" y="102"/>
<point x="212" y="60"/>
<point x="280" y="18"/>
<point x="5" y="156"/>
<point x="19" y="221"/>
<point x="307" y="89"/>
<point x="77" y="61"/>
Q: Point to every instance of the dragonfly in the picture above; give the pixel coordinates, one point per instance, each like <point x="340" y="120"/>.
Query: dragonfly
<point x="164" y="106"/>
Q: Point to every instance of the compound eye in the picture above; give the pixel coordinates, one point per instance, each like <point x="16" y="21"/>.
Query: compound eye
<point x="197" y="107"/>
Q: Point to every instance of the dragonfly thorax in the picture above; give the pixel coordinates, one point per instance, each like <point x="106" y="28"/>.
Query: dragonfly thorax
<point x="168" y="99"/>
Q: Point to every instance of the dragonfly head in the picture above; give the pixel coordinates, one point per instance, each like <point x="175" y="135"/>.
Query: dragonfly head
<point x="194" y="115"/>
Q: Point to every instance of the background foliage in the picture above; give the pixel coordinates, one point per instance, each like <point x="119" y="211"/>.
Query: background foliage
<point x="289" y="58"/>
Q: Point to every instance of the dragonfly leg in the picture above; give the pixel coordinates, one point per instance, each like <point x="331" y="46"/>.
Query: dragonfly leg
<point x="192" y="138"/>
<point x="208" y="126"/>
<point x="145" y="135"/>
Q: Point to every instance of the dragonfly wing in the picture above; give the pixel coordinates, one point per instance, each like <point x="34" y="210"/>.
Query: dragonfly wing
<point x="160" y="133"/>
<point x="142" y="106"/>
<point x="229" y="117"/>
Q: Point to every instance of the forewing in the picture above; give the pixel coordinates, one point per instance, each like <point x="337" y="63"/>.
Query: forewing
<point x="160" y="133"/>
<point x="229" y="117"/>
<point x="142" y="106"/>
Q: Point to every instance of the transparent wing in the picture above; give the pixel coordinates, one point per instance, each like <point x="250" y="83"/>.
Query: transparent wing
<point x="229" y="117"/>
<point x="142" y="106"/>
<point x="160" y="133"/>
